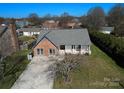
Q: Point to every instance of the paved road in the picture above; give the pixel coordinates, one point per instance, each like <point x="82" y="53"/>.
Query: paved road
<point x="36" y="76"/>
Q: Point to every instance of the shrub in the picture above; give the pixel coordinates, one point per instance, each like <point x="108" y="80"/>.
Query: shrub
<point x="121" y="83"/>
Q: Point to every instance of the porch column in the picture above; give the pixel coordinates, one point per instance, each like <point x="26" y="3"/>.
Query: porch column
<point x="89" y="49"/>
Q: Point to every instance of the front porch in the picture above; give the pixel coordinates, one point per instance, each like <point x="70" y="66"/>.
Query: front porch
<point x="74" y="49"/>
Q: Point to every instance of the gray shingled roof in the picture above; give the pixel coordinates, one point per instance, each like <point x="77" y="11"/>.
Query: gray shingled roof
<point x="2" y="30"/>
<point x="66" y="37"/>
<point x="107" y="28"/>
<point x="30" y="29"/>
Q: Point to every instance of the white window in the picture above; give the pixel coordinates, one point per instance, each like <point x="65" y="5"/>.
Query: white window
<point x="40" y="51"/>
<point x="62" y="47"/>
<point x="52" y="51"/>
<point x="73" y="46"/>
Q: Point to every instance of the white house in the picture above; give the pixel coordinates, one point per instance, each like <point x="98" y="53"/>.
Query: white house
<point x="106" y="30"/>
<point x="54" y="42"/>
<point x="29" y="31"/>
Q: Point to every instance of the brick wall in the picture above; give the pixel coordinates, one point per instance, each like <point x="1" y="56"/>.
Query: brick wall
<point x="45" y="44"/>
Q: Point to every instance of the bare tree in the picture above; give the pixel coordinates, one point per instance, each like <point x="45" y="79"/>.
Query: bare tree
<point x="116" y="15"/>
<point x="116" y="19"/>
<point x="64" y="67"/>
<point x="83" y="20"/>
<point x="64" y="19"/>
<point x="48" y="16"/>
<point x="34" y="18"/>
<point x="1" y="20"/>
<point x="96" y="18"/>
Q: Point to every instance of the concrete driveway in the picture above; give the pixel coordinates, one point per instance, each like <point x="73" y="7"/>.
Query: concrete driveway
<point x="36" y="75"/>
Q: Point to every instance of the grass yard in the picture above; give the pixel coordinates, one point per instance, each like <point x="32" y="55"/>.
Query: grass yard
<point x="15" y="65"/>
<point x="96" y="71"/>
<point x="27" y="42"/>
<point x="28" y="39"/>
<point x="25" y="38"/>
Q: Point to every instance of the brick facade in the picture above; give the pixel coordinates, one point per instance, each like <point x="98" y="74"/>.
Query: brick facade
<point x="45" y="44"/>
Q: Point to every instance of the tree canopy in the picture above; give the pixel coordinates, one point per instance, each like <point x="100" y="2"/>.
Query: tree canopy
<point x="1" y="20"/>
<point x="116" y="19"/>
<point x="96" y="18"/>
<point x="34" y="19"/>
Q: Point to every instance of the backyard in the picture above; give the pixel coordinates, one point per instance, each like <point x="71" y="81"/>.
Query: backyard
<point x="95" y="71"/>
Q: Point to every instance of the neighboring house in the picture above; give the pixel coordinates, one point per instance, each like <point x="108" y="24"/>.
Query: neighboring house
<point x="70" y="24"/>
<point x="107" y="30"/>
<point x="50" y="24"/>
<point x="8" y="40"/>
<point x="22" y="23"/>
<point x="58" y="42"/>
<point x="29" y="31"/>
<point x="73" y="25"/>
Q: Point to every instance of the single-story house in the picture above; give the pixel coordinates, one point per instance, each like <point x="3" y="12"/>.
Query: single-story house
<point x="54" y="42"/>
<point x="106" y="30"/>
<point x="74" y="23"/>
<point x="29" y="31"/>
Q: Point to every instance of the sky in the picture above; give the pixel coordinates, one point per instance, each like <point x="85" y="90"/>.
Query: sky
<point x="20" y="10"/>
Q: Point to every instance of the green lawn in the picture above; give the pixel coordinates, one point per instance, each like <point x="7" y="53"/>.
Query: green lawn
<point x="25" y="38"/>
<point x="15" y="65"/>
<point x="28" y="39"/>
<point x="96" y="71"/>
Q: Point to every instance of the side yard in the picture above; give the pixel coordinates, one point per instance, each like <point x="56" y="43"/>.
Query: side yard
<point x="95" y="71"/>
<point x="26" y="38"/>
<point x="14" y="65"/>
<point x="26" y="42"/>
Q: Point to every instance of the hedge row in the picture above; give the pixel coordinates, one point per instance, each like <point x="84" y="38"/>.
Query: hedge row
<point x="113" y="46"/>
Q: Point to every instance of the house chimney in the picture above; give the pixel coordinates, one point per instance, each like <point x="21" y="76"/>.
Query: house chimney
<point x="15" y="44"/>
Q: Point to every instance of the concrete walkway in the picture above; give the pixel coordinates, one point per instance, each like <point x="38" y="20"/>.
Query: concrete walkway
<point x="36" y="75"/>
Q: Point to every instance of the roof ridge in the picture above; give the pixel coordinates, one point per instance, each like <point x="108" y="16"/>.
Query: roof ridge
<point x="47" y="33"/>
